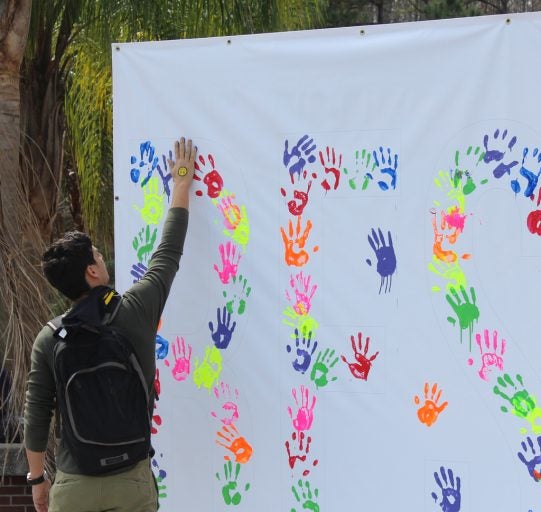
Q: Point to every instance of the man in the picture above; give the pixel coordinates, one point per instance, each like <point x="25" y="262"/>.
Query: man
<point x="75" y="267"/>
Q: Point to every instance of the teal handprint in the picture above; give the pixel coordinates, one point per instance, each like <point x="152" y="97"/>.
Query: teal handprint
<point x="305" y="496"/>
<point x="466" y="310"/>
<point x="230" y="490"/>
<point x="325" y="361"/>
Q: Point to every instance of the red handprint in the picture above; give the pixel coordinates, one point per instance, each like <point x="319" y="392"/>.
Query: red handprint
<point x="211" y="179"/>
<point x="300" y="197"/>
<point x="302" y="448"/>
<point x="363" y="364"/>
<point x="331" y="165"/>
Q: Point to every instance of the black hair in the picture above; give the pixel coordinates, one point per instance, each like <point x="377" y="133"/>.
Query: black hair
<point x="64" y="264"/>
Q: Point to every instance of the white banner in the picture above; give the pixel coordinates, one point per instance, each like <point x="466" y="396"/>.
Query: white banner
<point x="354" y="323"/>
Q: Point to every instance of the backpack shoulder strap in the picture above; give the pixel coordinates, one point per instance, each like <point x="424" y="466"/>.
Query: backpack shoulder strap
<point x="55" y="324"/>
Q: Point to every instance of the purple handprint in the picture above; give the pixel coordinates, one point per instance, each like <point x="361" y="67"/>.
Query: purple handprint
<point x="304" y="351"/>
<point x="534" y="460"/>
<point x="497" y="154"/>
<point x="385" y="255"/>
<point x="295" y="160"/>
<point x="224" y="330"/>
<point x="165" y="175"/>
<point x="450" y="490"/>
<point x="230" y="262"/>
<point x="138" y="271"/>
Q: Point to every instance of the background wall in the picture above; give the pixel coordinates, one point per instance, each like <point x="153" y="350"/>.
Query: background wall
<point x="354" y="322"/>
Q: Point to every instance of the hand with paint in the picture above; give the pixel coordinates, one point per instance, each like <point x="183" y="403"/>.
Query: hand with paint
<point x="305" y="496"/>
<point x="301" y="153"/>
<point x="490" y="359"/>
<point x="384" y="252"/>
<point x="363" y="362"/>
<point x="230" y="411"/>
<point x="331" y="163"/>
<point x="449" y="489"/>
<point x="531" y="457"/>
<point x="231" y="491"/>
<point x="499" y="147"/>
<point x="224" y="329"/>
<point x="325" y="362"/>
<point x="211" y="177"/>
<point x="230" y="438"/>
<point x="305" y="410"/>
<point x="208" y="372"/>
<point x="386" y="165"/>
<point x="293" y="256"/>
<point x="182" y="359"/>
<point x="230" y="262"/>
<point x="429" y="412"/>
<point x="304" y="351"/>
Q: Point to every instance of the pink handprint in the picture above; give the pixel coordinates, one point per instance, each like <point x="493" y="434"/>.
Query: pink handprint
<point x="230" y="211"/>
<point x="181" y="368"/>
<point x="230" y="410"/>
<point x="489" y="355"/>
<point x="331" y="165"/>
<point x="451" y="226"/>
<point x="302" y="302"/>
<point x="230" y="262"/>
<point x="305" y="413"/>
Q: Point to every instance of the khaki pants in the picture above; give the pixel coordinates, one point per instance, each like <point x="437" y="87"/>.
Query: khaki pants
<point x="131" y="491"/>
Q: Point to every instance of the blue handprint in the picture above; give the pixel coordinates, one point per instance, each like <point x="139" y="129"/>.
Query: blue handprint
<point x="147" y="161"/>
<point x="534" y="460"/>
<point x="531" y="177"/>
<point x="386" y="165"/>
<point x="450" y="490"/>
<point x="224" y="330"/>
<point x="162" y="347"/>
<point x="304" y="352"/>
<point x="138" y="271"/>
<point x="385" y="255"/>
<point x="300" y="154"/>
<point x="496" y="155"/>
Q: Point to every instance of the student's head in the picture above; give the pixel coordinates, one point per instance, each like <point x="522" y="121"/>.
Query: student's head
<point x="73" y="265"/>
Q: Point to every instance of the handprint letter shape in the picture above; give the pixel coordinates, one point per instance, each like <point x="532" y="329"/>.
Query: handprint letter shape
<point x="363" y="363"/>
<point x="230" y="438"/>
<point x="230" y="491"/>
<point x="305" y="412"/>
<point x="490" y="358"/>
<point x="298" y="203"/>
<point x="224" y="329"/>
<point x="450" y="490"/>
<point x="386" y="257"/>
<point x="429" y="412"/>
<point x="143" y="243"/>
<point x="534" y="459"/>
<point x="303" y="351"/>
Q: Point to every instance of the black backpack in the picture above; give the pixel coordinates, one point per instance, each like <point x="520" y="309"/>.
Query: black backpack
<point x="101" y="392"/>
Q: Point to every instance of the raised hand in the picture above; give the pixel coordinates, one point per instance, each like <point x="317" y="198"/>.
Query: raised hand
<point x="363" y="362"/>
<point x="211" y="177"/>
<point x="386" y="165"/>
<point x="302" y="302"/>
<point x="499" y="147"/>
<point x="305" y="496"/>
<point x="230" y="410"/>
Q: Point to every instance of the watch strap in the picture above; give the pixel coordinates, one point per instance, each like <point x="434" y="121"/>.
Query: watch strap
<point x="38" y="480"/>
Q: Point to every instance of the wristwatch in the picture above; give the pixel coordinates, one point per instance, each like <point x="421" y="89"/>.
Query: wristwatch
<point x="38" y="480"/>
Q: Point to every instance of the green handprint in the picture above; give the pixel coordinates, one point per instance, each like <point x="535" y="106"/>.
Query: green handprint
<point x="446" y="182"/>
<point x="467" y="312"/>
<point x="470" y="159"/>
<point x="144" y="242"/>
<point x="242" y="290"/>
<point x="208" y="373"/>
<point x="305" y="496"/>
<point x="152" y="211"/>
<point x="161" y="487"/>
<point x="231" y="485"/>
<point x="303" y="323"/>
<point x="369" y="165"/>
<point x="320" y="369"/>
<point x="524" y="404"/>
<point x="451" y="272"/>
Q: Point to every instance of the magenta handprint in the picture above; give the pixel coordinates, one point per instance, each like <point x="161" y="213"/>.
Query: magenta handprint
<point x="221" y="335"/>
<point x="302" y="302"/>
<point x="230" y="262"/>
<point x="181" y="358"/>
<point x="305" y="410"/>
<point x="362" y="365"/>
<point x="230" y="411"/>
<point x="331" y="163"/>
<point x="300" y="154"/>
<point x="491" y="356"/>
<point x="298" y="450"/>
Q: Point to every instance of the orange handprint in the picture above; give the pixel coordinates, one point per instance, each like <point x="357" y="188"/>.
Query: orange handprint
<point x="429" y="412"/>
<point x="230" y="438"/>
<point x="295" y="238"/>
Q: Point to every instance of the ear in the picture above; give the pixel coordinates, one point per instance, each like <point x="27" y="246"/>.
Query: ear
<point x="91" y="271"/>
